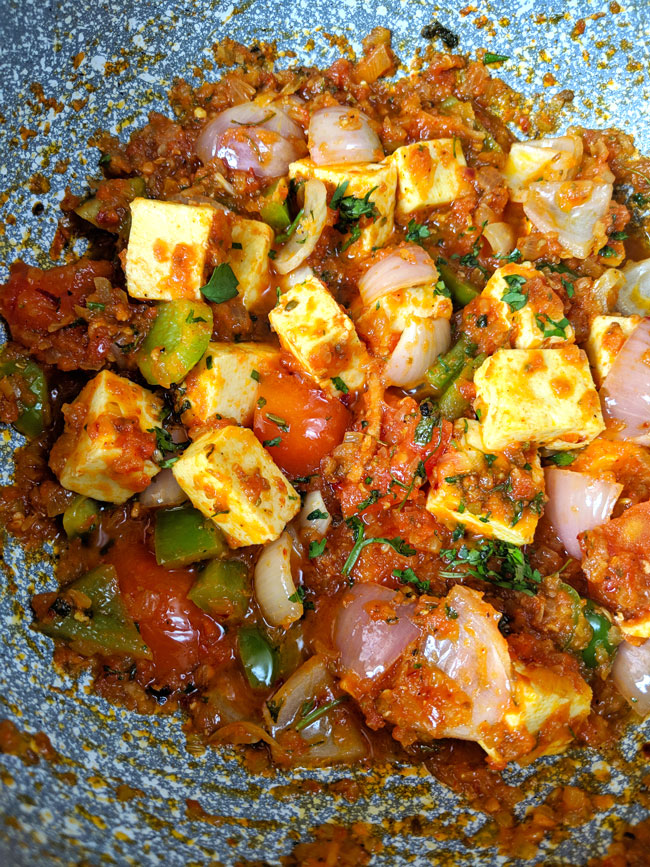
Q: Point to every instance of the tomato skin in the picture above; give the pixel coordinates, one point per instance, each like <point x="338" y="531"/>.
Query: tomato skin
<point x="317" y="422"/>
<point x="178" y="633"/>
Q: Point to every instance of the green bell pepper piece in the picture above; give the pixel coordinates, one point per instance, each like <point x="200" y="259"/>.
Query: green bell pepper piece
<point x="222" y="589"/>
<point x="275" y="210"/>
<point x="183" y="536"/>
<point x="257" y="658"/>
<point x="130" y="189"/>
<point x="105" y="628"/>
<point x="80" y="517"/>
<point x="462" y="291"/>
<point x="453" y="404"/>
<point x="449" y="365"/>
<point x="600" y="640"/>
<point x="34" y="400"/>
<point x="176" y="342"/>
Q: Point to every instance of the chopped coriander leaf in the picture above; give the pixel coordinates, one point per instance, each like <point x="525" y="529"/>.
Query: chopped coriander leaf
<point x="261" y="402"/>
<point x="619" y="236"/>
<point x="164" y="441"/>
<point x="554" y="329"/>
<point x="451" y="613"/>
<point x="291" y="228"/>
<point x="316" y="548"/>
<point x="514" y="297"/>
<point x="317" y="515"/>
<point x="408" y="576"/>
<point x="95" y="305"/>
<point x="191" y="318"/>
<point x="168" y="462"/>
<point x="458" y="533"/>
<point x="441" y="289"/>
<point x="607" y="252"/>
<point x="499" y="562"/>
<point x="515" y="256"/>
<point x="236" y="246"/>
<point x="370" y="500"/>
<point x="255" y="375"/>
<point x="430" y="418"/>
<point x="222" y="286"/>
<point x="208" y="362"/>
<point x="319" y="712"/>
<point x="269" y="444"/>
<point x="490" y="459"/>
<point x="279" y="422"/>
<point x="488" y="58"/>
<point x="351" y="209"/>
<point x="340" y="384"/>
<point x="568" y="287"/>
<point x="482" y="320"/>
<point x="358" y="530"/>
<point x="562" y="459"/>
<point x="104" y="159"/>
<point x="416" y="232"/>
<point x="298" y="596"/>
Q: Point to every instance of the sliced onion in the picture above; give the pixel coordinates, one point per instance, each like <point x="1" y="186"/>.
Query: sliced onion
<point x="164" y="490"/>
<point x="407" y="266"/>
<point x="625" y="391"/>
<point x="577" y="502"/>
<point x="477" y="660"/>
<point x="634" y="295"/>
<point x="606" y="289"/>
<point x="306" y="683"/>
<point x="369" y="645"/>
<point x="252" y="137"/>
<point x="576" y="227"/>
<point x="304" y="239"/>
<point x="341" y="134"/>
<point x="421" y="342"/>
<point x="631" y="674"/>
<point x="314" y="502"/>
<point x="501" y="237"/>
<point x="273" y="584"/>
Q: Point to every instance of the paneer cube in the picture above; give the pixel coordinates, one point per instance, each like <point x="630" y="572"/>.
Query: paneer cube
<point x="167" y="249"/>
<point x="250" y="262"/>
<point x="225" y="382"/>
<point x="229" y="476"/>
<point x="381" y="324"/>
<point x="551" y="159"/>
<point x="522" y="299"/>
<point x="316" y="331"/>
<point x="107" y="446"/>
<point x="545" y="396"/>
<point x="378" y="180"/>
<point x="430" y="173"/>
<point x="607" y="334"/>
<point x="496" y="495"/>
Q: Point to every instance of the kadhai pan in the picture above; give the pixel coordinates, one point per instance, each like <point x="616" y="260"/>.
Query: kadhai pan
<point x="115" y="786"/>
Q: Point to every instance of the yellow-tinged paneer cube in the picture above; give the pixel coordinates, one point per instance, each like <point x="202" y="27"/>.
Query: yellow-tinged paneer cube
<point x="229" y="476"/>
<point x="430" y="173"/>
<point x="380" y="324"/>
<point x="379" y="180"/>
<point x="545" y="396"/>
<point x="607" y="334"/>
<point x="108" y="441"/>
<point x="226" y="382"/>
<point x="523" y="300"/>
<point x="548" y="704"/>
<point x="316" y="331"/>
<point x="552" y="159"/>
<point x="250" y="264"/>
<point x="167" y="246"/>
<point x="490" y="493"/>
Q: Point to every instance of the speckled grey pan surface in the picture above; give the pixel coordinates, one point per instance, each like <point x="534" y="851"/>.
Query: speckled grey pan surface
<point x="62" y="819"/>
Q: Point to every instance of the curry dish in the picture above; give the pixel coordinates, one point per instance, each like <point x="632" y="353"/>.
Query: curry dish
<point x="341" y="424"/>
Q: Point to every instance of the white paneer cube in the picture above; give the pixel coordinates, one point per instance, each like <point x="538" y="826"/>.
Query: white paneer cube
<point x="377" y="180"/>
<point x="548" y="705"/>
<point x="545" y="159"/>
<point x="430" y="173"/>
<point x="229" y="476"/>
<point x="381" y="324"/>
<point x="524" y="302"/>
<point x="99" y="453"/>
<point x="167" y="247"/>
<point x="607" y="334"/>
<point x="226" y="382"/>
<point x="492" y="494"/>
<point x="316" y="331"/>
<point x="249" y="259"/>
<point x="545" y="396"/>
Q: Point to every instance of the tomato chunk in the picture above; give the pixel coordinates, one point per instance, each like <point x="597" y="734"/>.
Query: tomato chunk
<point x="302" y="422"/>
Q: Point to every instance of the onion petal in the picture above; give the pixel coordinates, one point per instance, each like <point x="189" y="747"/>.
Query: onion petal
<point x="501" y="237"/>
<point x="634" y="295"/>
<point x="625" y="392"/>
<point x="306" y="683"/>
<point x="421" y="342"/>
<point x="577" y="502"/>
<point x="407" y="266"/>
<point x="340" y="134"/>
<point x="548" y="207"/>
<point x="273" y="583"/>
<point x="631" y="675"/>
<point x="164" y="490"/>
<point x="308" y="231"/>
<point x="369" y="645"/>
